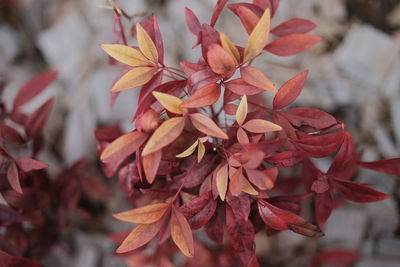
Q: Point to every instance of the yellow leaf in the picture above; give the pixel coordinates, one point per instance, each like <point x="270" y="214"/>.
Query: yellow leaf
<point x="258" y="37"/>
<point x="134" y="78"/>
<point x="164" y="135"/>
<point x="230" y="47"/>
<point x="170" y="102"/>
<point x="241" y="111"/>
<point x="126" y="54"/>
<point x="189" y="151"/>
<point x="144" y="215"/>
<point x="146" y="44"/>
<point x="221" y="180"/>
<point x="201" y="150"/>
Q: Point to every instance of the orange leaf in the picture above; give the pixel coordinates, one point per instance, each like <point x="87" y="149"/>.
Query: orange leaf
<point x="126" y="54"/>
<point x="205" y="96"/>
<point x="146" y="44"/>
<point x="261" y="126"/>
<point x="292" y="44"/>
<point x="220" y="60"/>
<point x="140" y="235"/>
<point x="207" y="126"/>
<point x="170" y="102"/>
<point x="221" y="180"/>
<point x="151" y="163"/>
<point x="230" y="47"/>
<point x="241" y="136"/>
<point x="241" y="112"/>
<point x="164" y="135"/>
<point x="123" y="146"/>
<point x="134" y="78"/>
<point x="144" y="215"/>
<point x="258" y="37"/>
<point x="236" y="182"/>
<point x="290" y="90"/>
<point x="256" y="77"/>
<point x="181" y="233"/>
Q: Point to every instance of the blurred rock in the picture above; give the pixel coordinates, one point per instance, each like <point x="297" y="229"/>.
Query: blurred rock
<point x="65" y="46"/>
<point x="8" y="46"/>
<point x="395" y="118"/>
<point x="365" y="55"/>
<point x="372" y="262"/>
<point x="382" y="138"/>
<point x="346" y="227"/>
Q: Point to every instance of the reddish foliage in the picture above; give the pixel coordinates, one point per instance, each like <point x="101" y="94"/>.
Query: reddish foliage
<point x="220" y="177"/>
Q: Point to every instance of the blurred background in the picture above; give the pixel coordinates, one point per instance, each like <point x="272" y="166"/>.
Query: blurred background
<point x="354" y="75"/>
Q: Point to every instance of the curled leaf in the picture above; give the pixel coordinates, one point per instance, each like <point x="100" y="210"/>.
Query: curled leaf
<point x="189" y="151"/>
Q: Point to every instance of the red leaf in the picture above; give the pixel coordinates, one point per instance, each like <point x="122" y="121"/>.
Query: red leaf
<point x="241" y="235"/>
<point x="220" y="61"/>
<point x="28" y="164"/>
<point x="13" y="177"/>
<point x="320" y="146"/>
<point x="389" y="166"/>
<point x="199" y="210"/>
<point x="192" y="22"/>
<point x="271" y="4"/>
<point x="295" y="25"/>
<point x="33" y="87"/>
<point x="323" y="207"/>
<point x="240" y="87"/>
<point x="357" y="192"/>
<point x="344" y="164"/>
<point x="292" y="44"/>
<point x="8" y="260"/>
<point x="248" y="14"/>
<point x="217" y="11"/>
<point x="205" y="96"/>
<point x="280" y="219"/>
<point x="286" y="159"/>
<point x="240" y="206"/>
<point x="36" y="121"/>
<point x="215" y="229"/>
<point x="10" y="134"/>
<point x="309" y="116"/>
<point x="290" y="90"/>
